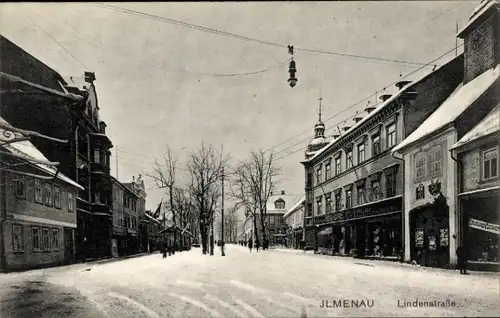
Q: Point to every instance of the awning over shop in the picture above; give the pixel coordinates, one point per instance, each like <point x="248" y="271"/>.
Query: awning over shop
<point x="327" y="231"/>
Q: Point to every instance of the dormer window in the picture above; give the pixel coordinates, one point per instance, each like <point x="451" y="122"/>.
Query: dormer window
<point x="279" y="204"/>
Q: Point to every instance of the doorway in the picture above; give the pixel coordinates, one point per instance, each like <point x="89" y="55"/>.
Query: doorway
<point x="69" y="256"/>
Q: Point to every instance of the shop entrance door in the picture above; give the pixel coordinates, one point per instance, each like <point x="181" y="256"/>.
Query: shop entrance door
<point x="429" y="229"/>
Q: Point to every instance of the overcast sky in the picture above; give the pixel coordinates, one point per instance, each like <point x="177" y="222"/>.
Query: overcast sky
<point x="151" y="93"/>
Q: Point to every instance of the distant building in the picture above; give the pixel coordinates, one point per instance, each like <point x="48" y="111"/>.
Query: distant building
<point x="139" y="207"/>
<point x="354" y="187"/>
<point x="85" y="158"/>
<point x="38" y="210"/>
<point x="294" y="219"/>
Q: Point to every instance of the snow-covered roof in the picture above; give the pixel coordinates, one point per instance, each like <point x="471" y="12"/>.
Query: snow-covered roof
<point x="452" y="107"/>
<point x="27" y="149"/>
<point x="76" y="81"/>
<point x="295" y="207"/>
<point x="151" y="218"/>
<point x="487" y="126"/>
<point x="484" y="6"/>
<point x="288" y="198"/>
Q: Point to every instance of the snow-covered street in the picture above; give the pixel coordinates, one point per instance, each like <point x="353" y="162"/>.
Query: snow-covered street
<point x="243" y="284"/>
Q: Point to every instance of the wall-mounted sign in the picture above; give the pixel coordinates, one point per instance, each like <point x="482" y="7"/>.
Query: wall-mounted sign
<point x="419" y="238"/>
<point x="485" y="226"/>
<point x="420" y="192"/>
<point x="444" y="237"/>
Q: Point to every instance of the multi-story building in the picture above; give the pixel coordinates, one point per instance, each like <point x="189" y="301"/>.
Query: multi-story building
<point x="294" y="219"/>
<point x="276" y="207"/>
<point x="354" y="186"/>
<point x="432" y="226"/>
<point x="479" y="192"/>
<point x="150" y="228"/>
<point x="85" y="158"/>
<point x="138" y="210"/>
<point x="38" y="209"/>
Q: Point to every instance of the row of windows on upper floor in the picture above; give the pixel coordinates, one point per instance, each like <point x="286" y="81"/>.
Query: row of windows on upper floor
<point x="364" y="194"/>
<point x="376" y="148"/>
<point x="125" y="220"/>
<point x="45" y="193"/>
<point x="128" y="202"/>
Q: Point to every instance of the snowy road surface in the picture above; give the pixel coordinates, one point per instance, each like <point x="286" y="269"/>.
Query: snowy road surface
<point x="264" y="284"/>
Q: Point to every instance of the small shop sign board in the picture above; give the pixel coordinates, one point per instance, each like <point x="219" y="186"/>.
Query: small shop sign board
<point x="485" y="226"/>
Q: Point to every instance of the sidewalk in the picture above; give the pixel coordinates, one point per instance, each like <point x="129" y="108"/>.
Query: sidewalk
<point x="116" y="259"/>
<point x="375" y="262"/>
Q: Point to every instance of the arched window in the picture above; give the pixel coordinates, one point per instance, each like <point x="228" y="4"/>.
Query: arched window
<point x="279" y="204"/>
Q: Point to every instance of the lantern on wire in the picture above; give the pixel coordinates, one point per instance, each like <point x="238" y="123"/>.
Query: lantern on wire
<point x="292" y="69"/>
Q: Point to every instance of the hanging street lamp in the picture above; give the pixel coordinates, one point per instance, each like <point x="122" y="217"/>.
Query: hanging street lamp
<point x="292" y="69"/>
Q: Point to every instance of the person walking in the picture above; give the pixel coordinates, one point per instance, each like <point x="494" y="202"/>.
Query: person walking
<point x="250" y="245"/>
<point x="257" y="244"/>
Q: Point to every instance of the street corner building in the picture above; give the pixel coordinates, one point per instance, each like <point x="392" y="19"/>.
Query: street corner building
<point x="354" y="186"/>
<point x="36" y="97"/>
<point x="129" y="207"/>
<point x="38" y="209"/>
<point x="294" y="219"/>
<point x="436" y="221"/>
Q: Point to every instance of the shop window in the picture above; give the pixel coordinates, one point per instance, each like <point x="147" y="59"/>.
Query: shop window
<point x="55" y="239"/>
<point x="349" y="163"/>
<point x="38" y="191"/>
<point x="318" y="175"/>
<point x="35" y="236"/>
<point x="328" y="170"/>
<point x="279" y="204"/>
<point x="48" y="195"/>
<point x="338" y="201"/>
<point x="376" y="144"/>
<point x="17" y="238"/>
<point x="390" y="183"/>
<point x="361" y="153"/>
<point x="435" y="161"/>
<point x="420" y="166"/>
<point x="45" y="239"/>
<point x="490" y="163"/>
<point x="361" y="195"/>
<point x="319" y="206"/>
<point x="70" y="202"/>
<point x="57" y="197"/>
<point x="348" y="199"/>
<point x="337" y="166"/>
<point x="21" y="188"/>
<point x="391" y="135"/>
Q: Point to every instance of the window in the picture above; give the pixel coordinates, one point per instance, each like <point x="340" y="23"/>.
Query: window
<point x="97" y="197"/>
<point x="279" y="204"/>
<point x="21" y="188"/>
<point x="376" y="144"/>
<point x="70" y="202"/>
<point x="390" y="182"/>
<point x="435" y="161"/>
<point x="309" y="209"/>
<point x="490" y="163"/>
<point x="271" y="219"/>
<point x="97" y="155"/>
<point x="309" y="179"/>
<point x="57" y="197"/>
<point x="348" y="159"/>
<point x="361" y="195"/>
<point x="38" y="191"/>
<point x="420" y="165"/>
<point x="337" y="166"/>
<point x="45" y="239"/>
<point x="338" y="201"/>
<point x="319" y="206"/>
<point x="47" y="194"/>
<point x="348" y="199"/>
<point x="35" y="236"/>
<point x="328" y="170"/>
<point x="391" y="135"/>
<point x="318" y="174"/>
<point x="55" y="239"/>
<point x="328" y="200"/>
<point x="361" y="153"/>
<point x="17" y="238"/>
<point x="375" y="190"/>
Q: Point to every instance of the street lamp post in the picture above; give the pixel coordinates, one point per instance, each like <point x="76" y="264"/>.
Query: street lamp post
<point x="222" y="215"/>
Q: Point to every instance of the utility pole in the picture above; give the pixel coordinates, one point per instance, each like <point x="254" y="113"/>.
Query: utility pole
<point x="222" y="215"/>
<point x="456" y="41"/>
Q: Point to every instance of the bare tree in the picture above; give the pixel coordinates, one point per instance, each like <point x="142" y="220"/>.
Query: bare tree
<point x="165" y="178"/>
<point x="230" y="224"/>
<point x="205" y="169"/>
<point x="182" y="208"/>
<point x="257" y="178"/>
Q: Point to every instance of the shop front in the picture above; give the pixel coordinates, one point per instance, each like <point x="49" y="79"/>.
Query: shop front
<point x="481" y="229"/>
<point x="429" y="234"/>
<point x="297" y="238"/>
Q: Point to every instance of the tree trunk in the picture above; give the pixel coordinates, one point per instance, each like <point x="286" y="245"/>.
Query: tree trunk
<point x="264" y="235"/>
<point x="173" y="217"/>
<point x="255" y="229"/>
<point x="203" y="236"/>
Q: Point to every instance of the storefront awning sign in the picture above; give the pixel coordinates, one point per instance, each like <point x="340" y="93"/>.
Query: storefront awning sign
<point x="484" y="226"/>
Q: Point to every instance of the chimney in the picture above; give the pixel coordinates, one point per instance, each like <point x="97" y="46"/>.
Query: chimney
<point x="385" y="97"/>
<point x="282" y="192"/>
<point x="89" y="77"/>
<point x="102" y="127"/>
<point x="402" y="84"/>
<point x="346" y="128"/>
<point x="357" y="119"/>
